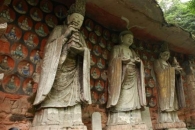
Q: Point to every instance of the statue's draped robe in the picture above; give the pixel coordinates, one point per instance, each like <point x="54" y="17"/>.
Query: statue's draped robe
<point x="126" y="82"/>
<point x="60" y="86"/>
<point x="170" y="89"/>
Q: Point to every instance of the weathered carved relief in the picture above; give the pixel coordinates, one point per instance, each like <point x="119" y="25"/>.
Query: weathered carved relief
<point x="64" y="82"/>
<point x="170" y="90"/>
<point x="126" y="86"/>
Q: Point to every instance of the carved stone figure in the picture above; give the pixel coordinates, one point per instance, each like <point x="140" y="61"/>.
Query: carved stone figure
<point x="18" y="53"/>
<point x="4" y="64"/>
<point x="10" y="86"/>
<point x="30" y="41"/>
<point x="65" y="79"/>
<point x="24" y="24"/>
<point x="36" y="58"/>
<point x="41" y="31"/>
<point x="25" y="70"/>
<point x="6" y="14"/>
<point x="12" y="34"/>
<point x="126" y="84"/>
<point x="29" y="87"/>
<point x="170" y="87"/>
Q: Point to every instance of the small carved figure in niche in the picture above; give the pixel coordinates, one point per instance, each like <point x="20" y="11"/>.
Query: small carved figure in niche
<point x="102" y="99"/>
<point x="152" y="103"/>
<point x="100" y="63"/>
<point x="92" y="38"/>
<point x="126" y="79"/>
<point x="18" y="52"/>
<point x="99" y="87"/>
<point x="10" y="86"/>
<point x="50" y="22"/>
<point x="36" y="16"/>
<point x="170" y="86"/>
<point x="25" y="70"/>
<point x="148" y="92"/>
<point x="41" y="31"/>
<point x="45" y="7"/>
<point x="4" y="65"/>
<point x="151" y="82"/>
<point x="24" y="25"/>
<point x="60" y="13"/>
<point x="36" y="58"/>
<point x="12" y="34"/>
<point x="105" y="54"/>
<point x="29" y="87"/>
<point x="94" y="97"/>
<point x="66" y="59"/>
<point x="94" y="74"/>
<point x="6" y="15"/>
<point x="102" y="43"/>
<point x="89" y="25"/>
<point x="104" y="75"/>
<point x="96" y="51"/>
<point x="30" y="41"/>
<point x="20" y="7"/>
<point x="98" y="30"/>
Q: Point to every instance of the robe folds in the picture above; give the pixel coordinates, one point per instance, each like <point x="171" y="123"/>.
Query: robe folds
<point x="126" y="82"/>
<point x="49" y="73"/>
<point x="170" y="88"/>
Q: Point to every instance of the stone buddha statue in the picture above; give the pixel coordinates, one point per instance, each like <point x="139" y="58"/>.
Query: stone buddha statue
<point x="126" y="84"/>
<point x="170" y="86"/>
<point x="65" y="77"/>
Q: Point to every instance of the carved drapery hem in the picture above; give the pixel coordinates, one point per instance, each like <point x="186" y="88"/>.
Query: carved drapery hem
<point x="58" y="127"/>
<point x="170" y="125"/>
<point x="127" y="127"/>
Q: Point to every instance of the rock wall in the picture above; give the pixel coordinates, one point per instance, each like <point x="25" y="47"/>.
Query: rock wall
<point x="29" y="25"/>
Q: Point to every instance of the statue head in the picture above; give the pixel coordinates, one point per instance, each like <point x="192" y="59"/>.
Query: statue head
<point x="164" y="52"/>
<point x="76" y="14"/>
<point x="126" y="38"/>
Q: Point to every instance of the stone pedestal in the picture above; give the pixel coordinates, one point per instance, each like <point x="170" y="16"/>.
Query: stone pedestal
<point x="127" y="127"/>
<point x="171" y="126"/>
<point x="178" y="129"/>
<point x="58" y="127"/>
<point x="146" y="118"/>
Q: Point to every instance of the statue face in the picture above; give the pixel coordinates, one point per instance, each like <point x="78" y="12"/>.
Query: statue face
<point x="75" y="19"/>
<point x="127" y="39"/>
<point x="165" y="55"/>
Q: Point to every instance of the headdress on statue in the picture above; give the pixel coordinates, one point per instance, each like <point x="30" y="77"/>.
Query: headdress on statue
<point x="125" y="32"/>
<point x="164" y="47"/>
<point x="77" y="7"/>
<point x="127" y="26"/>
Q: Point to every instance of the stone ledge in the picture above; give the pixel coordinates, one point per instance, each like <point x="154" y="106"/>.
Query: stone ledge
<point x="170" y="125"/>
<point x="127" y="127"/>
<point x="58" y="127"/>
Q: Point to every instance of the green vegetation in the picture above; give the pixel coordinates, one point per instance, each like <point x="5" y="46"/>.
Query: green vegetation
<point x="179" y="14"/>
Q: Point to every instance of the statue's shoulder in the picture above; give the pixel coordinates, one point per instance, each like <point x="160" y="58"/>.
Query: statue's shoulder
<point x="117" y="47"/>
<point x="59" y="28"/>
